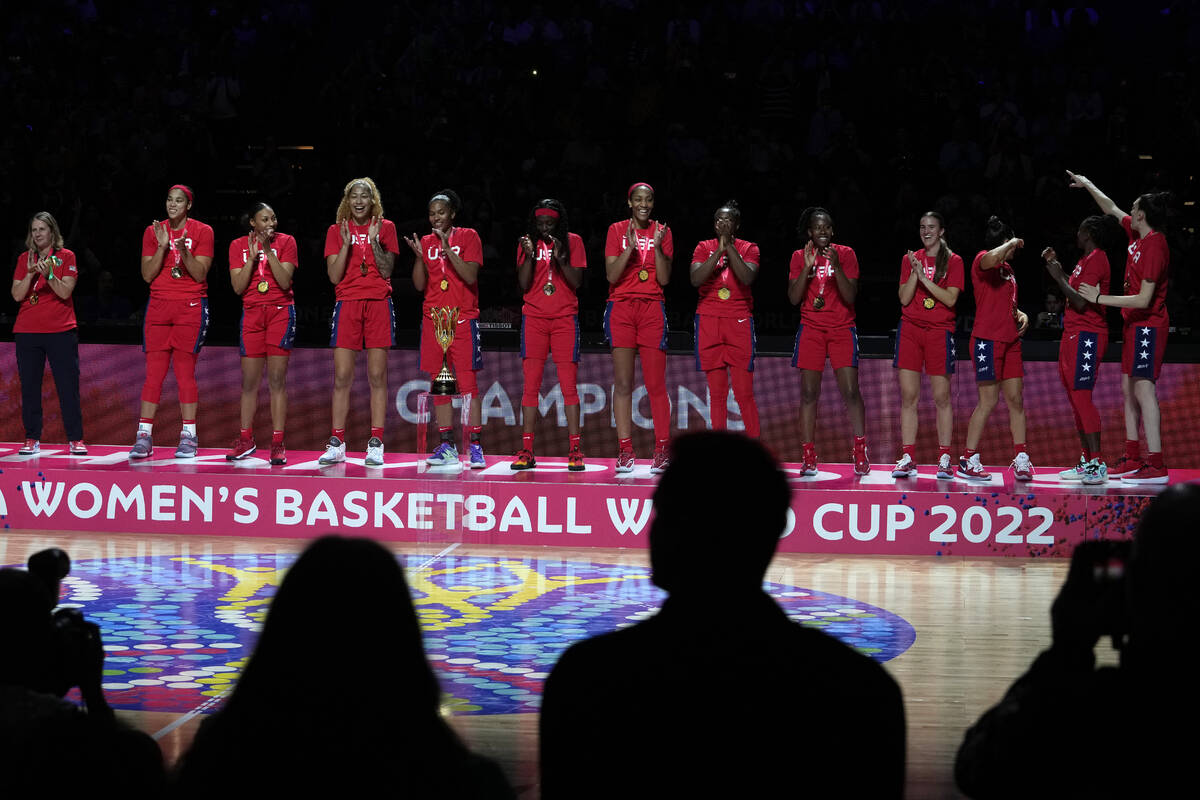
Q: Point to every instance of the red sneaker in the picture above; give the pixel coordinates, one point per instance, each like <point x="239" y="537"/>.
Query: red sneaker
<point x="575" y="460"/>
<point x="32" y="448"/>
<point x="240" y="449"/>
<point x="862" y="463"/>
<point x="524" y="460"/>
<point x="972" y="469"/>
<point x="808" y="461"/>
<point x="1124" y="466"/>
<point x="278" y="455"/>
<point x="1147" y="474"/>
<point x="77" y="448"/>
<point x="660" y="463"/>
<point x="625" y="461"/>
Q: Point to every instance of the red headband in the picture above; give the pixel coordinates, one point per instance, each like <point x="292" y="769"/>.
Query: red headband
<point x="629" y="194"/>
<point x="184" y="189"/>
<point x="545" y="212"/>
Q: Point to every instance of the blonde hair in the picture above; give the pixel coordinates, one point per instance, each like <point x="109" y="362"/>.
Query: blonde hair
<point x="48" y="218"/>
<point x="343" y="212"/>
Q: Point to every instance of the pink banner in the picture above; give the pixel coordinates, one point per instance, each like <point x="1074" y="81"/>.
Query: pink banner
<point x="833" y="512"/>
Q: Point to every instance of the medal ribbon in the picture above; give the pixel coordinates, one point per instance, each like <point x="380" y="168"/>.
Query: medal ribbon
<point x="824" y="271"/>
<point x="262" y="262"/>
<point x="637" y="240"/>
<point x="549" y="260"/>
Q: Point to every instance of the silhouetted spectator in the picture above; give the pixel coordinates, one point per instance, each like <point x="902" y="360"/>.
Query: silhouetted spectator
<point x="48" y="745"/>
<point x="719" y="694"/>
<point x="338" y="695"/>
<point x="1067" y="729"/>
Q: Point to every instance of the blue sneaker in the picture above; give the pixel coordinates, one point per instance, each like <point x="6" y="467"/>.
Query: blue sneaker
<point x="1095" y="473"/>
<point x="476" y="456"/>
<point x="444" y="455"/>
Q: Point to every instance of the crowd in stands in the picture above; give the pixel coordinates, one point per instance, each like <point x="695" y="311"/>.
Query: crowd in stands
<point x="875" y="109"/>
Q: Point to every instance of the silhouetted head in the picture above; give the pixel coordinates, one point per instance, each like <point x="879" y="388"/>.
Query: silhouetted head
<point x="720" y="506"/>
<point x="342" y="615"/>
<point x="996" y="233"/>
<point x="1162" y="573"/>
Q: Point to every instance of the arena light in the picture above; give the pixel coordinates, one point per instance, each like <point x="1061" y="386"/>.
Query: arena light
<point x="1145" y="158"/>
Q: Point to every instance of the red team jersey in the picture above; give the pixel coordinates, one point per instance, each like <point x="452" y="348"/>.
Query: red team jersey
<point x="1092" y="269"/>
<point x="739" y="301"/>
<point x="834" y="313"/>
<point x="199" y="240"/>
<point x="939" y="316"/>
<point x="630" y="285"/>
<point x="51" y="313"/>
<point x="445" y="286"/>
<point x="354" y="285"/>
<point x="562" y="302"/>
<point x="995" y="301"/>
<point x="285" y="250"/>
<point x="1147" y="261"/>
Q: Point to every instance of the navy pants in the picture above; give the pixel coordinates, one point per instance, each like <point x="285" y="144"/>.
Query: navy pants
<point x="62" y="351"/>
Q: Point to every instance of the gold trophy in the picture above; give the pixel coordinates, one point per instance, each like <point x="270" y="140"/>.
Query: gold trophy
<point x="444" y="320"/>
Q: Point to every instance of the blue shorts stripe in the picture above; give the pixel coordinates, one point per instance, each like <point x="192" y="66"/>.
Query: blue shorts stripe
<point x="983" y="355"/>
<point x="796" y="346"/>
<point x="333" y="323"/>
<point x="392" y="321"/>
<point x="608" y="322"/>
<point x="854" y="338"/>
<point x="289" y="335"/>
<point x="696" y="340"/>
<point x="524" y="319"/>
<point x="203" y="325"/>
<point x="242" y="334"/>
<point x="951" y="355"/>
<point x="663" y="344"/>
<point x="896" y="350"/>
<point x="753" y="345"/>
<point x="476" y="350"/>
<point x="1145" y="353"/>
<point x="575" y="352"/>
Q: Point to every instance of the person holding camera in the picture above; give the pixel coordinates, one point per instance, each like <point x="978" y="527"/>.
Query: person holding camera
<point x="46" y="741"/>
<point x="1068" y="729"/>
<point x="550" y="264"/>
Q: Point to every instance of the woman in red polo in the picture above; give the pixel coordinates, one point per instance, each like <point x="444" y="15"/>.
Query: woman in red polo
<point x="261" y="265"/>
<point x="637" y="263"/>
<point x="550" y="264"/>
<point x="931" y="280"/>
<point x="45" y="330"/>
<point x="360" y="254"/>
<point x="176" y="255"/>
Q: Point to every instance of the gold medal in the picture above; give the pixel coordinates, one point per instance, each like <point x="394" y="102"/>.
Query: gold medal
<point x="363" y="268"/>
<point x="724" y="293"/>
<point x="930" y="303"/>
<point x="548" y="289"/>
<point x="263" y="286"/>
<point x="644" y="275"/>
<point x="33" y="299"/>
<point x="176" y="272"/>
<point x="445" y="284"/>
<point x="819" y="302"/>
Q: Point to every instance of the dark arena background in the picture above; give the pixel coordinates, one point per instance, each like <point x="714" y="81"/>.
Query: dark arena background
<point x="877" y="111"/>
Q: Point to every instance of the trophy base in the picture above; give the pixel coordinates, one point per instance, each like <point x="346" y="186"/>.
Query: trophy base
<point x="444" y="384"/>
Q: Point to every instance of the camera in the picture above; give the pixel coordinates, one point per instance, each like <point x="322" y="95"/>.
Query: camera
<point x="1099" y="573"/>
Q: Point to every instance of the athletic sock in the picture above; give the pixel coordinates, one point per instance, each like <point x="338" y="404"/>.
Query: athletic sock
<point x="246" y="433"/>
<point x="1132" y="449"/>
<point x="146" y="425"/>
<point x="189" y="426"/>
<point x="625" y="444"/>
<point x="376" y="433"/>
<point x="339" y="434"/>
<point x="527" y="441"/>
<point x="474" y="431"/>
<point x="444" y="433"/>
<point x="1155" y="459"/>
<point x="574" y="440"/>
<point x="276" y="437"/>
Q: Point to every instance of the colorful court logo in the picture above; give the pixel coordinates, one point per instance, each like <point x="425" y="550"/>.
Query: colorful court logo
<point x="178" y="630"/>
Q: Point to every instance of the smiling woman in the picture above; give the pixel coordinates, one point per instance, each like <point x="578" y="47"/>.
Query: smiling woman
<point x="45" y="330"/>
<point x="360" y="253"/>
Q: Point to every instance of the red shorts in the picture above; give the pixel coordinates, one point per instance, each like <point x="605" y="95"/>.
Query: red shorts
<point x="175" y="325"/>
<point x="928" y="349"/>
<point x="1079" y="355"/>
<point x="363" y="323"/>
<point x="541" y="336"/>
<point x="814" y="345"/>
<point x="1142" y="351"/>
<point x="267" y="330"/>
<point x="636" y="323"/>
<point x="464" y="352"/>
<point x="996" y="361"/>
<point x="724" y="342"/>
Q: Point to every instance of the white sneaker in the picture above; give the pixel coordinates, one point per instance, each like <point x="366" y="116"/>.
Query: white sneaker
<point x="374" y="452"/>
<point x="945" y="468"/>
<point x="905" y="467"/>
<point x="1076" y="472"/>
<point x="1095" y="473"/>
<point x="335" y="452"/>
